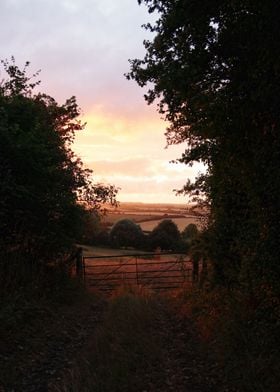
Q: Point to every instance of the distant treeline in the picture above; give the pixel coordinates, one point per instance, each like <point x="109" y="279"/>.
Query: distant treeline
<point x="126" y="233"/>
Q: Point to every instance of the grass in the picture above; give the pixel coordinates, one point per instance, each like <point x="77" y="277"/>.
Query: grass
<point x="112" y="218"/>
<point x="39" y="309"/>
<point x="148" y="223"/>
<point x="125" y="352"/>
<point x="149" y="216"/>
<point x="241" y="332"/>
<point x="155" y="271"/>
<point x="103" y="251"/>
<point x="34" y="306"/>
<point x="181" y="222"/>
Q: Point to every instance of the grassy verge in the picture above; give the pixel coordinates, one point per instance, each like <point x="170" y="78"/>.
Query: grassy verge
<point x="125" y="353"/>
<point x="242" y="332"/>
<point x="42" y="317"/>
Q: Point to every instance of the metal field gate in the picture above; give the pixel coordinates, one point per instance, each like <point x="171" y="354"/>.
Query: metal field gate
<point x="159" y="271"/>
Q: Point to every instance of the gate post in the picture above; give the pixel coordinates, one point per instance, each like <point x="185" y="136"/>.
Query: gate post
<point x="79" y="263"/>
<point x="136" y="265"/>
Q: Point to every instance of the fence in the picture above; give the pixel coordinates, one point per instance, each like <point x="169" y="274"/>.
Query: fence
<point x="159" y="271"/>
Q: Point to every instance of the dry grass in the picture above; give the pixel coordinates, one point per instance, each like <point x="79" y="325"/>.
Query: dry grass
<point x="125" y="351"/>
<point x="98" y="251"/>
<point x="160" y="271"/>
<point x="241" y="331"/>
<point x="180" y="222"/>
<point x="40" y="328"/>
<point x="136" y="217"/>
<point x="149" y="216"/>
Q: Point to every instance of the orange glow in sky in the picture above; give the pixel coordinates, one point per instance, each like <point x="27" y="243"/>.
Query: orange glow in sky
<point x="129" y="151"/>
<point x="82" y="48"/>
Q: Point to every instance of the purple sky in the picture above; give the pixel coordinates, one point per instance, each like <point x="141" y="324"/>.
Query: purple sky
<point x="82" y="48"/>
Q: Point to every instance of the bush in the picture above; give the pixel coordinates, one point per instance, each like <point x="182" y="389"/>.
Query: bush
<point x="126" y="233"/>
<point x="165" y="235"/>
<point x="241" y="331"/>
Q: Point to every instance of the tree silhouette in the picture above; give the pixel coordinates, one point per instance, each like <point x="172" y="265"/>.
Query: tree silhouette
<point x="212" y="66"/>
<point x="126" y="233"/>
<point x="165" y="235"/>
<point x="45" y="189"/>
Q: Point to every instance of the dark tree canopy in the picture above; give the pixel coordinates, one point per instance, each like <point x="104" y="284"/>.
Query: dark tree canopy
<point x="213" y="67"/>
<point x="190" y="232"/>
<point x="165" y="235"/>
<point x="126" y="233"/>
<point x="45" y="190"/>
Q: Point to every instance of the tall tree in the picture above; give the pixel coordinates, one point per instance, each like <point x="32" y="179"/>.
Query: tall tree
<point x="214" y="68"/>
<point x="45" y="189"/>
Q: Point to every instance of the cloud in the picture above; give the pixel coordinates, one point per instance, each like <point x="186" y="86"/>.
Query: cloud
<point x="150" y="178"/>
<point x="143" y="168"/>
<point x="117" y="136"/>
<point x="125" y="167"/>
<point x="160" y="186"/>
<point x="83" y="47"/>
<point x="129" y="152"/>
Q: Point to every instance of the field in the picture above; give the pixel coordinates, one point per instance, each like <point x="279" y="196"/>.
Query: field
<point x="181" y="222"/>
<point x="106" y="271"/>
<point x="149" y="215"/>
<point x="112" y="267"/>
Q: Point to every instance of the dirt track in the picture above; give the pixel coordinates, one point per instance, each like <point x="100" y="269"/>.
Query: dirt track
<point x="45" y="352"/>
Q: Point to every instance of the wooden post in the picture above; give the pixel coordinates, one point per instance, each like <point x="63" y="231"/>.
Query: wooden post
<point x="79" y="262"/>
<point x="136" y="265"/>
<point x="157" y="251"/>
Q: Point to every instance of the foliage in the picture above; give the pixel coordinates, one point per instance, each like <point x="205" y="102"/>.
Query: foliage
<point x="95" y="230"/>
<point x="92" y="226"/>
<point x="194" y="244"/>
<point x="214" y="67"/>
<point x="240" y="332"/>
<point x="45" y="189"/>
<point x="126" y="233"/>
<point x="190" y="231"/>
<point x="165" y="235"/>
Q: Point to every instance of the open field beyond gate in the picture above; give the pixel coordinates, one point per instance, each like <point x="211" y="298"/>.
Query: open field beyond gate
<point x="160" y="271"/>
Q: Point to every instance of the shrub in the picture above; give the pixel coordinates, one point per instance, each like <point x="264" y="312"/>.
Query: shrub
<point x="165" y="235"/>
<point x="126" y="233"/>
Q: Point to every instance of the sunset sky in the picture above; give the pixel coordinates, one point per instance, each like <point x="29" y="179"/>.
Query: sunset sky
<point x="82" y="48"/>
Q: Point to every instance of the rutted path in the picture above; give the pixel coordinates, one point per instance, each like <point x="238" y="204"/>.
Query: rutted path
<point x="179" y="365"/>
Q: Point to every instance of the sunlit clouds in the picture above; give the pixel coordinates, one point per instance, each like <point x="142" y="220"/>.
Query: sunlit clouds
<point x="129" y="151"/>
<point x="83" y="49"/>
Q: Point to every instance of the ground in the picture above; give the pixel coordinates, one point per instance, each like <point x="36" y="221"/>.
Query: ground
<point x="132" y="343"/>
<point x="35" y="355"/>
